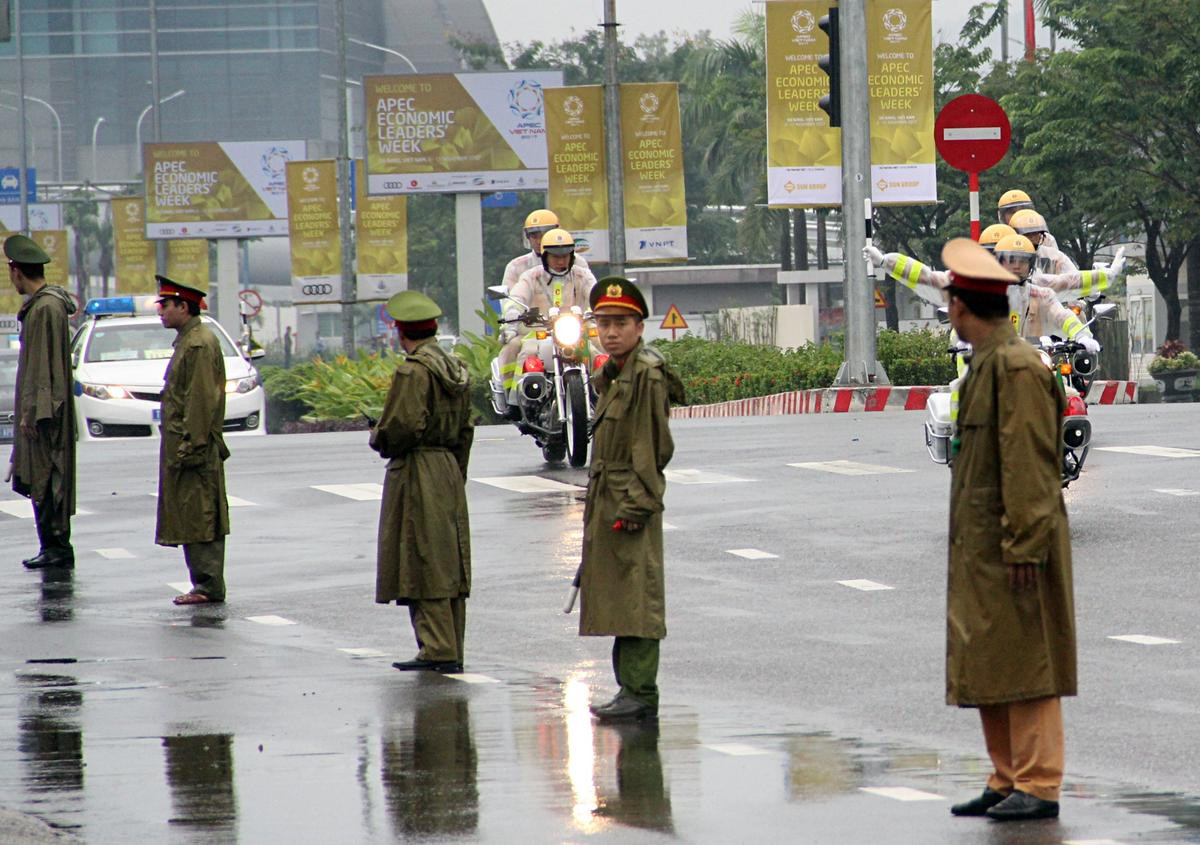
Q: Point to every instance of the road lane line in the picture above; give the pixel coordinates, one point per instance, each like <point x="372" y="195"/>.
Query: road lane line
<point x="699" y="476"/>
<point x="667" y="526"/>
<point x="736" y="749"/>
<point x="528" y="484"/>
<point x="1092" y="842"/>
<point x="23" y="509"/>
<point x="849" y="468"/>
<point x="370" y="492"/>
<point x="180" y="586"/>
<point x="1143" y="639"/>
<point x="865" y="585"/>
<point x="235" y="502"/>
<point x="270" y="619"/>
<point x="1154" y="451"/>
<point x="363" y="652"/>
<point x="1175" y="491"/>
<point x="472" y="678"/>
<point x="901" y="793"/>
<point x="751" y="554"/>
<point x="116" y="554"/>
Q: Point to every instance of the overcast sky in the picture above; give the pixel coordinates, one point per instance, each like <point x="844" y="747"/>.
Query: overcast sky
<point x="514" y="20"/>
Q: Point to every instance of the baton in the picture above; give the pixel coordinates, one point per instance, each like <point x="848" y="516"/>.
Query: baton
<point x="619" y="525"/>
<point x="871" y="269"/>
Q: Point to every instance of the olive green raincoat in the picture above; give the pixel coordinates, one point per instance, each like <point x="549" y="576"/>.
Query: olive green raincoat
<point x="1006" y="508"/>
<point x="44" y="465"/>
<point x="425" y="431"/>
<point x="191" y="471"/>
<point x="621" y="584"/>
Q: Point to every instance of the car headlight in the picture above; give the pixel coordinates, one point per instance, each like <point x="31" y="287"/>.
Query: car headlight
<point x="106" y="391"/>
<point x="242" y="385"/>
<point x="568" y="329"/>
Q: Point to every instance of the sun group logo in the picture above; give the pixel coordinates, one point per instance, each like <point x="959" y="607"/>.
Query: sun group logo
<point x="311" y="177"/>
<point x="316" y="290"/>
<point x="894" y="21"/>
<point x="803" y="23"/>
<point x="525" y="99"/>
<point x="882" y="185"/>
<point x="573" y="108"/>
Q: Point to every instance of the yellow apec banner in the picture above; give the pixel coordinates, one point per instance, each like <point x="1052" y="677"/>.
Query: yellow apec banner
<point x="456" y="132"/>
<point x="578" y="184"/>
<point x="381" y="242"/>
<point x="314" y="237"/>
<point x="133" y="255"/>
<point x="804" y="153"/>
<point x="187" y="263"/>
<point x="652" y="153"/>
<point x="57" y="244"/>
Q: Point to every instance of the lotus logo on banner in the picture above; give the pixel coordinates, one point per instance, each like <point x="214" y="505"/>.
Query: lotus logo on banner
<point x="311" y="176"/>
<point x="525" y="99"/>
<point x="894" y="21"/>
<point x="648" y="103"/>
<point x="803" y="23"/>
<point x="133" y="211"/>
<point x="573" y="108"/>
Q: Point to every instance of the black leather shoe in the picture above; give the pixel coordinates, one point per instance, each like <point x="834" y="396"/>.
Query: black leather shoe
<point x="980" y="805"/>
<point x="626" y="709"/>
<point x="596" y="708"/>
<point x="417" y="665"/>
<point x="1021" y="806"/>
<point x="44" y="560"/>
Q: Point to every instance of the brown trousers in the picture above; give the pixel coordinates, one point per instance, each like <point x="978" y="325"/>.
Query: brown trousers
<point x="1025" y="741"/>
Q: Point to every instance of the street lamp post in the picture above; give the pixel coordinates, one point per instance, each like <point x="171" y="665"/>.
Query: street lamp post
<point x="387" y="50"/>
<point x="57" y="124"/>
<point x="146" y="111"/>
<point x="95" y="131"/>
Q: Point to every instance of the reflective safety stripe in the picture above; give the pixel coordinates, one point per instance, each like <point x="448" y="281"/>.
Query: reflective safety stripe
<point x="1094" y="281"/>
<point x="1072" y="326"/>
<point x="907" y="270"/>
<point x="1015" y="317"/>
<point x="508" y="373"/>
<point x="558" y="292"/>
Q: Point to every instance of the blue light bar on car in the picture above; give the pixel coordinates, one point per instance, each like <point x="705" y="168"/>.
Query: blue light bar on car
<point x="121" y="306"/>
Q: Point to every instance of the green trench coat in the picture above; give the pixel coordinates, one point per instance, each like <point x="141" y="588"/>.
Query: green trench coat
<point x="425" y="431"/>
<point x="44" y="466"/>
<point x="191" y="461"/>
<point x="622" y="581"/>
<point x="1006" y="507"/>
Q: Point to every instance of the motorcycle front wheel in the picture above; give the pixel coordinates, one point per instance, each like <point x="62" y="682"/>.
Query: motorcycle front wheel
<point x="577" y="419"/>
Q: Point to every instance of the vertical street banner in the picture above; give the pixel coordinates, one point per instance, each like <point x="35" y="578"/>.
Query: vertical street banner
<point x="57" y="244"/>
<point x="133" y="255"/>
<point x="900" y="86"/>
<point x="576" y="162"/>
<point x="42" y="217"/>
<point x="381" y="243"/>
<point x="314" y="235"/>
<point x="456" y="132"/>
<point x="804" y="153"/>
<point x="652" y="154"/>
<point x="187" y="263"/>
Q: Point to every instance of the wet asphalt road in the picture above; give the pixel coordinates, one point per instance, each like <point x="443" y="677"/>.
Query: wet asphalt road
<point x="786" y="693"/>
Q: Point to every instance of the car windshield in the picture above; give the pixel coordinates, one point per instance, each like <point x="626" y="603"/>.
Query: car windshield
<point x="139" y="342"/>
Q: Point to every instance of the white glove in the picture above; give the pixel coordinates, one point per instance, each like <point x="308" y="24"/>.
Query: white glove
<point x="1118" y="264"/>
<point x="1090" y="344"/>
<point x="873" y="255"/>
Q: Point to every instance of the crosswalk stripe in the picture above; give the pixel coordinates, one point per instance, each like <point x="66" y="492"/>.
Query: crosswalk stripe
<point x="528" y="484"/>
<point x="1143" y="639"/>
<point x="368" y="492"/>
<point x="849" y="468"/>
<point x="736" y="749"/>
<point x="698" y="476"/>
<point x="270" y="619"/>
<point x="235" y="502"/>
<point x="751" y="554"/>
<point x="865" y="585"/>
<point x="180" y="586"/>
<point x="23" y="509"/>
<point x="115" y="554"/>
<point x="668" y="526"/>
<point x="1154" y="451"/>
<point x="1177" y="491"/>
<point x="363" y="652"/>
<point x="901" y="793"/>
<point x="473" y="678"/>
<point x="1092" y="842"/>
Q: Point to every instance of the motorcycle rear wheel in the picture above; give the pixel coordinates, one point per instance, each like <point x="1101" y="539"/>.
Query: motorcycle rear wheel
<point x="577" y="419"/>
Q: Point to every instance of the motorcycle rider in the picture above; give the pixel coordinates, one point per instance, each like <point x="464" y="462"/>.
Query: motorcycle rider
<point x="1013" y="201"/>
<point x="537" y="224"/>
<point x="1086" y="281"/>
<point x="1050" y="259"/>
<point x="560" y="282"/>
<point x="922" y="280"/>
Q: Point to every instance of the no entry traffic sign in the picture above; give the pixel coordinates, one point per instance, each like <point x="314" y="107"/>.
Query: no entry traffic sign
<point x="972" y="133"/>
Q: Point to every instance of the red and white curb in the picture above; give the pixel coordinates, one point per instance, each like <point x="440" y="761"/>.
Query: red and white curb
<point x="836" y="400"/>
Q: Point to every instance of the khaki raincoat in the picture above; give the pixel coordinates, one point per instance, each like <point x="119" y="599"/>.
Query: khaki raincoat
<point x="191" y="471"/>
<point x="425" y="431"/>
<point x="621" y="584"/>
<point x="44" y="465"/>
<point x="1006" y="507"/>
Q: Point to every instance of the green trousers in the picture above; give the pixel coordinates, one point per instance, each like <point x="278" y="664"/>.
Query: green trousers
<point x="49" y="518"/>
<point x="206" y="567"/>
<point x="635" y="663"/>
<point x="440" y="626"/>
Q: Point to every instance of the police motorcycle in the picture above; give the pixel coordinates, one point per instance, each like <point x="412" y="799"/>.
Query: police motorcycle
<point x="1083" y="364"/>
<point x="553" y="390"/>
<point x="1062" y="357"/>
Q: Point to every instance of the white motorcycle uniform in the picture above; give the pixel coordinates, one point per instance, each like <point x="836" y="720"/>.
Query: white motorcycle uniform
<point x="1050" y="259"/>
<point x="514" y="269"/>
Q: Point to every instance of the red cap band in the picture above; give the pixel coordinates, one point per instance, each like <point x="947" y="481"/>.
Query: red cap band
<point x="418" y="326"/>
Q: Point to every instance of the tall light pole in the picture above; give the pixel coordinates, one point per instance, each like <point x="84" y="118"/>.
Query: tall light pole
<point x="95" y="130"/>
<point x="146" y="111"/>
<point x="387" y="50"/>
<point x="23" y="176"/>
<point x="57" y="124"/>
<point x="349" y="294"/>
<point x="612" y="144"/>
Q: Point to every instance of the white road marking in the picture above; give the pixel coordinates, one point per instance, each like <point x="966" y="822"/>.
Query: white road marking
<point x="180" y="586"/>
<point x="863" y="584"/>
<point x="235" y="502"/>
<point x="669" y="527"/>
<point x="23" y="509"/>
<point x="528" y="484"/>
<point x="1156" y="451"/>
<point x="1143" y="639"/>
<point x="363" y="652"/>
<point x="699" y="476"/>
<point x="736" y="749"/>
<point x="369" y="492"/>
<point x="472" y="678"/>
<point x="751" y="554"/>
<point x="1092" y="842"/>
<point x="270" y="619"/>
<point x="1175" y="491"/>
<point x="849" y="468"/>
<point x="116" y="554"/>
<point x="901" y="793"/>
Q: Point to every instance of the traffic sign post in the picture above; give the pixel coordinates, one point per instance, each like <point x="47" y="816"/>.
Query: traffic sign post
<point x="972" y="134"/>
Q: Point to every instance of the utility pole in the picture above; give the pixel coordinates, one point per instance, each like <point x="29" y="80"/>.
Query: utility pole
<point x="160" y="245"/>
<point x="612" y="144"/>
<point x="349" y="294"/>
<point x="23" y="176"/>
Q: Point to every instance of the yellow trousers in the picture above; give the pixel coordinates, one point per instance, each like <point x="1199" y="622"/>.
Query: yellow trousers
<point x="1025" y="741"/>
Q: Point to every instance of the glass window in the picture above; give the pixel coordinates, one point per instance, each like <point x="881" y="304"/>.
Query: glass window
<point x="140" y="342"/>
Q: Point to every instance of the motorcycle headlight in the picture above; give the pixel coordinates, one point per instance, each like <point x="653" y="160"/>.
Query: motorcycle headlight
<point x="568" y="329"/>
<point x="1046" y="359"/>
<point x="242" y="385"/>
<point x="106" y="391"/>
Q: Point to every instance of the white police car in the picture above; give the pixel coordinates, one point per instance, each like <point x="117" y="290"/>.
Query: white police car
<point x="120" y="358"/>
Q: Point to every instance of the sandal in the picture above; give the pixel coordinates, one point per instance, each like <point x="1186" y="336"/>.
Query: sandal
<point x="194" y="598"/>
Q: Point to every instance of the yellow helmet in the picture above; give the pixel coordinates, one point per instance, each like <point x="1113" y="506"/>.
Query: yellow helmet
<point x="540" y="222"/>
<point x="1016" y="253"/>
<point x="558" y="242"/>
<point x="993" y="233"/>
<point x="1011" y="201"/>
<point x="1027" y="222"/>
